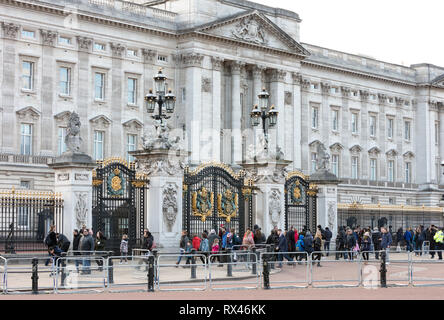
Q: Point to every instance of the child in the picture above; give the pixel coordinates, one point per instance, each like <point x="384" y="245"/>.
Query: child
<point x="215" y="249"/>
<point x="124" y="248"/>
<point x="188" y="248"/>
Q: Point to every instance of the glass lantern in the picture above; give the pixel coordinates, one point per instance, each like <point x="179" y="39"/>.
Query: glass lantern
<point x="170" y="101"/>
<point x="263" y="99"/>
<point x="159" y="82"/>
<point x="255" y="116"/>
<point x="272" y="116"/>
<point x="150" y="99"/>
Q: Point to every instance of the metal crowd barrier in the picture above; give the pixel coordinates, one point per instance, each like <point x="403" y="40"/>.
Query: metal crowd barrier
<point x="80" y="274"/>
<point x="427" y="272"/>
<point x="296" y="268"/>
<point x="337" y="277"/>
<point x="3" y="266"/>
<point x="194" y="273"/>
<point x="130" y="276"/>
<point x="225" y="261"/>
<point x="20" y="270"/>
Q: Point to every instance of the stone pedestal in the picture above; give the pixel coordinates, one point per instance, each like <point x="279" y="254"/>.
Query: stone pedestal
<point x="73" y="179"/>
<point x="165" y="169"/>
<point x="327" y="201"/>
<point x="269" y="178"/>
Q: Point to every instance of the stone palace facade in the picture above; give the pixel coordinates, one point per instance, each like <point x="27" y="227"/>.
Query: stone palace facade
<point x="381" y="123"/>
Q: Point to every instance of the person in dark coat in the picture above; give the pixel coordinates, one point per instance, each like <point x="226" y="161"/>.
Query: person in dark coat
<point x="282" y="248"/>
<point x="317" y="247"/>
<point x="386" y="241"/>
<point x="376" y="239"/>
<point x="183" y="245"/>
<point x="87" y="248"/>
<point x="340" y="243"/>
<point x="50" y="241"/>
<point x="259" y="237"/>
<point x="99" y="245"/>
<point x="350" y="243"/>
<point x="328" y="236"/>
<point x="75" y="247"/>
<point x="63" y="242"/>
<point x="291" y="241"/>
<point x="308" y="242"/>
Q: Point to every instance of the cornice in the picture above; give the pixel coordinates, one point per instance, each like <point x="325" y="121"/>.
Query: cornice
<point x="356" y="73"/>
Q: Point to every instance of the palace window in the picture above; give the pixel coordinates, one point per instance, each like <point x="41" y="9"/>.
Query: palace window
<point x="314" y="157"/>
<point x="26" y="139"/>
<point x="132" y="90"/>
<point x="28" y="75"/>
<point x="355" y="168"/>
<point x="372" y="126"/>
<point x="408" y="172"/>
<point x="98" y="145"/>
<point x="335" y="120"/>
<point x="335" y="164"/>
<point x="28" y="34"/>
<point x="373" y="169"/>
<point x="407" y="130"/>
<point x="99" y="85"/>
<point x="354" y="122"/>
<point x="314" y="117"/>
<point x="391" y="171"/>
<point x="61" y="145"/>
<point x="131" y="141"/>
<point x="390" y="128"/>
<point x="65" y="81"/>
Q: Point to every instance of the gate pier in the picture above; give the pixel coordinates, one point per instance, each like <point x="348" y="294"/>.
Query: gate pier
<point x="268" y="177"/>
<point x="165" y="170"/>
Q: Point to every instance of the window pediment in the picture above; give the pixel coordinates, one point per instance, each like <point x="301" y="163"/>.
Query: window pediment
<point x="355" y="149"/>
<point x="28" y="114"/>
<point x="100" y="122"/>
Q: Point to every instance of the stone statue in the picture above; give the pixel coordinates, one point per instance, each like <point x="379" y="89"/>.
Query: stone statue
<point x="250" y="30"/>
<point x="323" y="159"/>
<point x="72" y="138"/>
<point x="161" y="139"/>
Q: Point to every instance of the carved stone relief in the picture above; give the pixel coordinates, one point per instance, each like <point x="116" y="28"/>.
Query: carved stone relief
<point x="81" y="209"/>
<point x="274" y="207"/>
<point x="169" y="206"/>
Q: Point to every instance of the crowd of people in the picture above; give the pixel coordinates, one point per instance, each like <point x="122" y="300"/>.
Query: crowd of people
<point x="292" y="245"/>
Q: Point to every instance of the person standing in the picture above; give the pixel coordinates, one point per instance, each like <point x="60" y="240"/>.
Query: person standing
<point x="350" y="243"/>
<point x="99" y="245"/>
<point x="282" y="248"/>
<point x="63" y="242"/>
<point x="50" y="241"/>
<point x="317" y="247"/>
<point x="439" y="240"/>
<point x="308" y="243"/>
<point x="366" y="245"/>
<point x="291" y="241"/>
<point x="376" y="239"/>
<point x="204" y="247"/>
<point x="182" y="244"/>
<point x="328" y="236"/>
<point x="124" y="249"/>
<point x="386" y="242"/>
<point x="408" y="238"/>
<point x="87" y="248"/>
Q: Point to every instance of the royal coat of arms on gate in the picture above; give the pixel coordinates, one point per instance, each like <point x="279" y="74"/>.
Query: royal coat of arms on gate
<point x="296" y="192"/>
<point x="202" y="203"/>
<point x="227" y="205"/>
<point x="116" y="183"/>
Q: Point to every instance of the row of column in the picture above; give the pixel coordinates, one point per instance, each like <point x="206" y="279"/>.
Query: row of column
<point x="203" y="116"/>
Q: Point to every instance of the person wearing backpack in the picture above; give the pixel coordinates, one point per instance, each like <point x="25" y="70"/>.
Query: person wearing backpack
<point x="204" y="247"/>
<point x="300" y="249"/>
<point x="50" y="241"/>
<point x="308" y="242"/>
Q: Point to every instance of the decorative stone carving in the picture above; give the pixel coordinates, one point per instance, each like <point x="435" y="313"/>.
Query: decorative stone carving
<point x="399" y="101"/>
<point x="171" y="166"/>
<point x="84" y="43"/>
<point x="297" y="78"/>
<point x="325" y="86"/>
<point x="100" y="122"/>
<point x="217" y="63"/>
<point x="81" y="177"/>
<point x="161" y="139"/>
<point x="133" y="126"/>
<point x="374" y="151"/>
<point x="81" y="209"/>
<point x="258" y="71"/>
<point x="345" y="91"/>
<point x="63" y="177"/>
<point x="274" y="207"/>
<point x="382" y="98"/>
<point x="10" y="30"/>
<point x="206" y="84"/>
<point x="331" y="218"/>
<point x="391" y="153"/>
<point x="336" y="147"/>
<point x="364" y="94"/>
<point x="356" y="149"/>
<point x="192" y="59"/>
<point x="62" y="118"/>
<point x="28" y="114"/>
<point x="250" y="30"/>
<point x="148" y="55"/>
<point x="288" y="98"/>
<point x="278" y="75"/>
<point x="169" y="206"/>
<point x="236" y="67"/>
<point x="117" y="49"/>
<point x="408" y="155"/>
<point x="305" y="83"/>
<point x="49" y="37"/>
<point x="72" y="138"/>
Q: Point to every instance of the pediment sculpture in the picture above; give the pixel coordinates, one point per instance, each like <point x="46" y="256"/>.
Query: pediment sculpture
<point x="248" y="29"/>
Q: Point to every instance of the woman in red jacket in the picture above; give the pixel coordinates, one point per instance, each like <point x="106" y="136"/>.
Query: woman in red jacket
<point x="196" y="242"/>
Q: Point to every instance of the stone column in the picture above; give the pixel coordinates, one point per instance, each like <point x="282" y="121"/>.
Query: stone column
<point x="236" y="112"/>
<point x="217" y="107"/>
<point x="84" y="97"/>
<point x="277" y="96"/>
<point x="269" y="177"/>
<point x="116" y="99"/>
<point x="257" y="82"/>
<point x="49" y="39"/>
<point x="73" y="179"/>
<point x="164" y="169"/>
<point x="441" y="140"/>
<point x="297" y="121"/>
<point x="193" y="103"/>
<point x="8" y="89"/>
<point x="327" y="199"/>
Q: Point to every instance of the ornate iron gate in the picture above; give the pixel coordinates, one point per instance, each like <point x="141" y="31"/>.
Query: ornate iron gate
<point x="300" y="202"/>
<point x="118" y="203"/>
<point x="214" y="195"/>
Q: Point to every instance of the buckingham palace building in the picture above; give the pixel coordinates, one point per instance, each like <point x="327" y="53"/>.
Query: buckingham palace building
<point x="382" y="124"/>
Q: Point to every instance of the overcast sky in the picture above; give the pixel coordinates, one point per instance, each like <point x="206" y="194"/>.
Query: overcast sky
<point x="399" y="31"/>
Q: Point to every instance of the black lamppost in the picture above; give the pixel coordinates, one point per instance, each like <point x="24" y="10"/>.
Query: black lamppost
<point x="261" y="112"/>
<point x="160" y="98"/>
